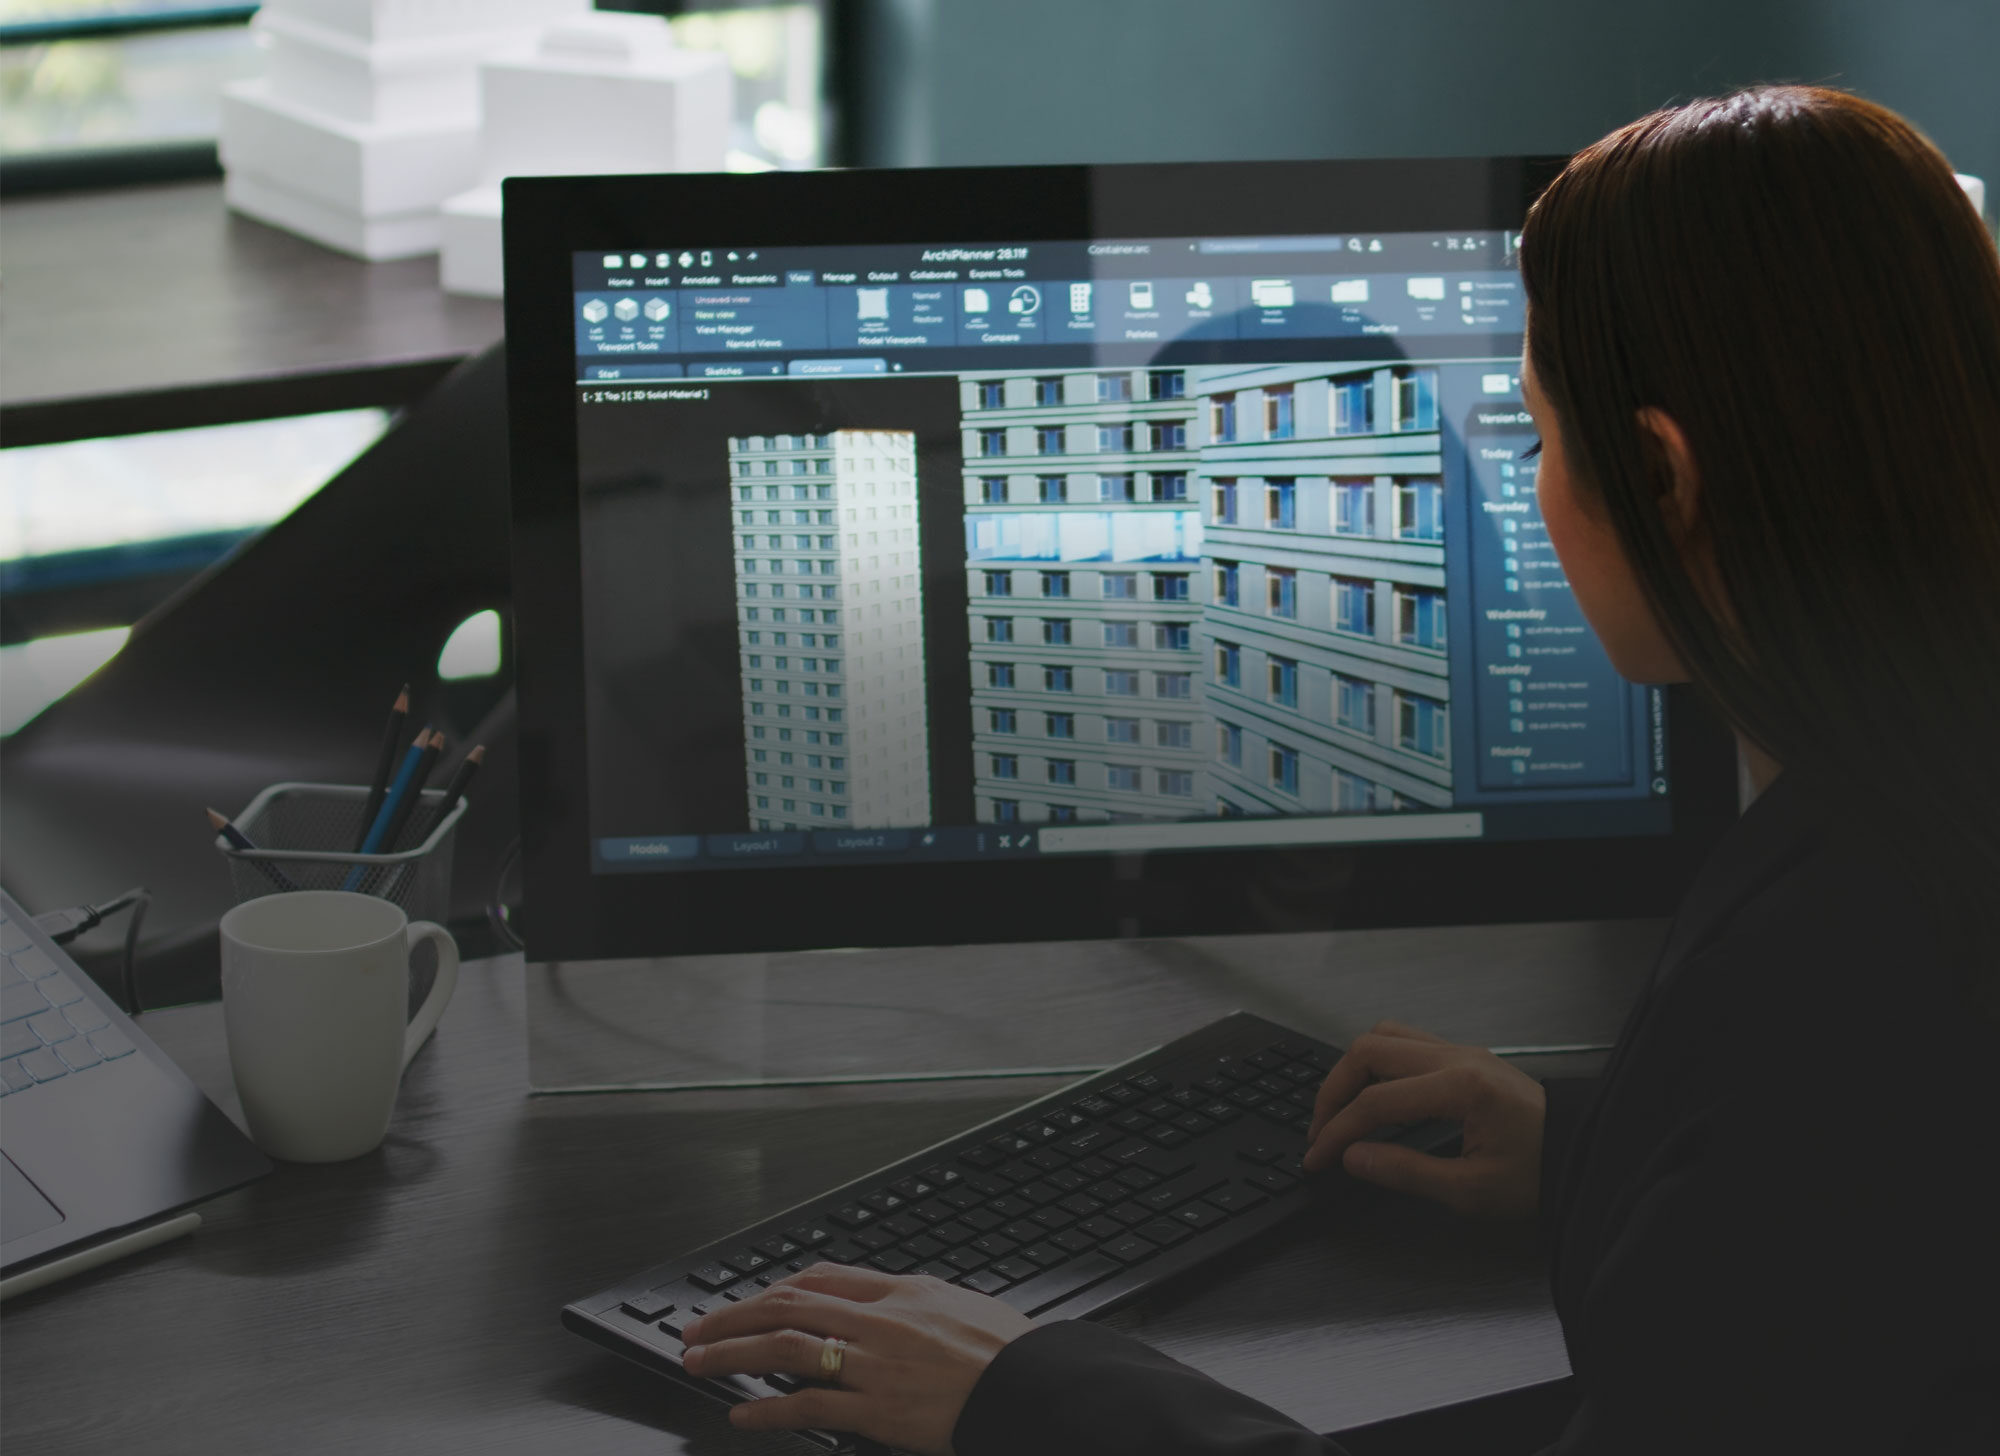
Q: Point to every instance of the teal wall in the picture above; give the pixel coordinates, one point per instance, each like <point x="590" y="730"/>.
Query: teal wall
<point x="948" y="82"/>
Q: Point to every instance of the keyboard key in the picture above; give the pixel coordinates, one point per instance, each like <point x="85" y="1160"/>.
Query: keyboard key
<point x="111" y="1043"/>
<point x="765" y="1280"/>
<point x="1067" y="1180"/>
<point x="1093" y="1141"/>
<point x="874" y="1238"/>
<point x="1272" y="1083"/>
<point x="1236" y="1198"/>
<point x="953" y="1232"/>
<point x="15" y="1075"/>
<point x="1038" y="1131"/>
<point x="1130" y="1249"/>
<point x="1075" y="1240"/>
<point x="993" y="1246"/>
<point x="913" y="1190"/>
<point x="1138" y="1177"/>
<point x="1081" y="1204"/>
<point x="1130" y="1214"/>
<point x="809" y="1235"/>
<point x="1006" y="1207"/>
<point x="1169" y="1137"/>
<point x="985" y="1220"/>
<point x="1221" y="1112"/>
<point x="51" y="1027"/>
<point x="894" y="1261"/>
<point x="1094" y="1106"/>
<point x="1048" y="1160"/>
<point x="978" y="1188"/>
<point x="1106" y="1190"/>
<point x="981" y="1158"/>
<point x="60" y="990"/>
<point x="1246" y="1096"/>
<point x="747" y="1261"/>
<point x="1055" y="1216"/>
<point x="77" y="1054"/>
<point x="1186" y="1097"/>
<point x="1193" y="1123"/>
<point x="21" y="1000"/>
<point x="1101" y="1227"/>
<point x="1272" y="1181"/>
<point x="1046" y="1255"/>
<point x="1132" y="1121"/>
<point x="736" y="1292"/>
<point x="1095" y="1166"/>
<point x="1215" y="1086"/>
<point x="934" y="1211"/>
<point x="785" y="1384"/>
<point x="34" y="963"/>
<point x="842" y="1251"/>
<point x="1164" y="1232"/>
<point x="648" y="1307"/>
<point x="1163" y="1162"/>
<point x="1039" y="1192"/>
<point x="1174" y="1194"/>
<point x="778" y="1246"/>
<point x="883" y="1201"/>
<point x="43" y="1065"/>
<point x="1265" y="1061"/>
<point x="986" y="1281"/>
<point x="1200" y="1215"/>
<point x="900" y="1225"/>
<point x="16" y="1038"/>
<point x="924" y="1247"/>
<point x="1046" y="1290"/>
<point x="1302" y="1075"/>
<point x="8" y="975"/>
<point x="852" y="1215"/>
<point x="1017" y="1171"/>
<point x="713" y="1276"/>
<point x="937" y="1269"/>
<point x="1259" y="1153"/>
<point x="1159" y="1107"/>
<point x="1016" y="1269"/>
<point x="1120" y="1093"/>
<point x="12" y="937"/>
<point x="966" y="1259"/>
<point x="1148" y="1082"/>
<point x="1067" y="1119"/>
<point x="1023" y="1230"/>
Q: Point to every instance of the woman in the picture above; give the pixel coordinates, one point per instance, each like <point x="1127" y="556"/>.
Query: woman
<point x="1763" y="352"/>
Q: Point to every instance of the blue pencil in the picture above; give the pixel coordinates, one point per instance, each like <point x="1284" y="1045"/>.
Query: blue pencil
<point x="405" y="777"/>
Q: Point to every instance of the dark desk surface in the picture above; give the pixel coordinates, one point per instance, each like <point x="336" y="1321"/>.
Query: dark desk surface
<point x="162" y="300"/>
<point x="407" y="1301"/>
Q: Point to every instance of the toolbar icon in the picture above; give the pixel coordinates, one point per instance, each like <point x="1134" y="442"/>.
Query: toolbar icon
<point x="638" y="260"/>
<point x="596" y="311"/>
<point x="626" y="309"/>
<point x="977" y="300"/>
<point x="687" y="259"/>
<point x="707" y="258"/>
<point x="1141" y="295"/>
<point x="1430" y="290"/>
<point x="663" y="260"/>
<point x="1272" y="292"/>
<point x="1079" y="298"/>
<point x="871" y="303"/>
<point x="1354" y="245"/>
<point x="614" y="260"/>
<point x="657" y="309"/>
<point x="1201" y="296"/>
<point x="732" y="257"/>
<point x="1351" y="290"/>
<point x="1024" y="300"/>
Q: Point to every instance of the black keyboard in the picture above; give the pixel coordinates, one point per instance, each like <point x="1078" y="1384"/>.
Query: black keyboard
<point x="1065" y="1207"/>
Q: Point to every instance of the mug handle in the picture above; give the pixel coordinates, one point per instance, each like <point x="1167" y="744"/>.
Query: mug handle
<point x="426" y="1019"/>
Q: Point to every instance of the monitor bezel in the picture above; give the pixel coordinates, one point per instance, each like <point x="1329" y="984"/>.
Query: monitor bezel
<point x="571" y="913"/>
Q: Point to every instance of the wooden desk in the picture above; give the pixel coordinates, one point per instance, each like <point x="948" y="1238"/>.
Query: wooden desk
<point x="151" y="308"/>
<point x="407" y="1301"/>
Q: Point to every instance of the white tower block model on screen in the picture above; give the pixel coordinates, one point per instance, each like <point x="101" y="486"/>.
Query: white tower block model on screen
<point x="599" y="93"/>
<point x="367" y="115"/>
<point x="830" y="630"/>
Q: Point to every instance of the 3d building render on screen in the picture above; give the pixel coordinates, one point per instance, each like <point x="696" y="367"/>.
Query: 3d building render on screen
<point x="1209" y="590"/>
<point x="830" y="616"/>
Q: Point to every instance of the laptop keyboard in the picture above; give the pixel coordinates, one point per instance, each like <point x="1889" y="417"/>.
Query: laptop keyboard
<point x="48" y="1027"/>
<point x="1079" y="1200"/>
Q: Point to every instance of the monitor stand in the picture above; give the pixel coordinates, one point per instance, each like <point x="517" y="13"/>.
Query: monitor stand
<point x="906" y="1015"/>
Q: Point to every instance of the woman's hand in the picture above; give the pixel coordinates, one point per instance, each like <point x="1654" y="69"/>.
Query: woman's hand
<point x="916" y="1347"/>
<point x="1397" y="1074"/>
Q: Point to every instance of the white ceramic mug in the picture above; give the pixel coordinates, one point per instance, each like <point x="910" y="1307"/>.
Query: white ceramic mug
<point x="315" y="988"/>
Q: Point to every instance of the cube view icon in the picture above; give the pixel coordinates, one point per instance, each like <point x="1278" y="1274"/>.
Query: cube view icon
<point x="596" y="311"/>
<point x="626" y="309"/>
<point x="657" y="309"/>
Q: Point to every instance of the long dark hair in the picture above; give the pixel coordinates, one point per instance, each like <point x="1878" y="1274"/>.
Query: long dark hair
<point x="1795" y="277"/>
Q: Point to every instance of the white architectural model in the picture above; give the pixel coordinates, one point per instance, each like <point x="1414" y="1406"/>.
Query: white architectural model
<point x="367" y="116"/>
<point x="829" y="613"/>
<point x="598" y="93"/>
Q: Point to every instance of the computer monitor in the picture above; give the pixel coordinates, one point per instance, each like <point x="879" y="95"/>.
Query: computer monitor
<point x="1025" y="554"/>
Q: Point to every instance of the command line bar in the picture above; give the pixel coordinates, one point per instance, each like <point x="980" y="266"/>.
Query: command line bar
<point x="1251" y="833"/>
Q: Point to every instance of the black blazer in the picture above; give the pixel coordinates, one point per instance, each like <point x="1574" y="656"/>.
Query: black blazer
<point x="1773" y="1222"/>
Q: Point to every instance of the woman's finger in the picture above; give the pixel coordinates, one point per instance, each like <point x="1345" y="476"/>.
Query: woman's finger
<point x="829" y="1410"/>
<point x="1406" y="1099"/>
<point x="784" y="1306"/>
<point x="1405" y="1170"/>
<point x="788" y="1352"/>
<point x="1374" y="1058"/>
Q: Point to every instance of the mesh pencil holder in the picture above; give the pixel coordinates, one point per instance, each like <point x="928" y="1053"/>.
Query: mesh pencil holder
<point x="305" y="836"/>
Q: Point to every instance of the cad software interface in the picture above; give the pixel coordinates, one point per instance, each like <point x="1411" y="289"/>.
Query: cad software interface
<point x="1077" y="547"/>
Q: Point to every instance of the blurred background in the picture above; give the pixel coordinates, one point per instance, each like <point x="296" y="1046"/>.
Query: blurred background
<point x="103" y="98"/>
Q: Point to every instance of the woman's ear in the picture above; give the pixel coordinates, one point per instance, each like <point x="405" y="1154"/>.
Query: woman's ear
<point x="1680" y="497"/>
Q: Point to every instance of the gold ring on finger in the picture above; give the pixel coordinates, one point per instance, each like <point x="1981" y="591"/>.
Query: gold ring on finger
<point x="832" y="1356"/>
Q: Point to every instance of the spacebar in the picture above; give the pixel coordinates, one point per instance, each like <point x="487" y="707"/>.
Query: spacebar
<point x="1037" y="1294"/>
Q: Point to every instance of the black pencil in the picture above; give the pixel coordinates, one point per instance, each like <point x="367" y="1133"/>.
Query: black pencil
<point x="385" y="763"/>
<point x="455" y="789"/>
<point x="238" y="840"/>
<point x="432" y="747"/>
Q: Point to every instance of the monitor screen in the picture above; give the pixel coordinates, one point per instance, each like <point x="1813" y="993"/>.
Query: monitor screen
<point x="940" y="550"/>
